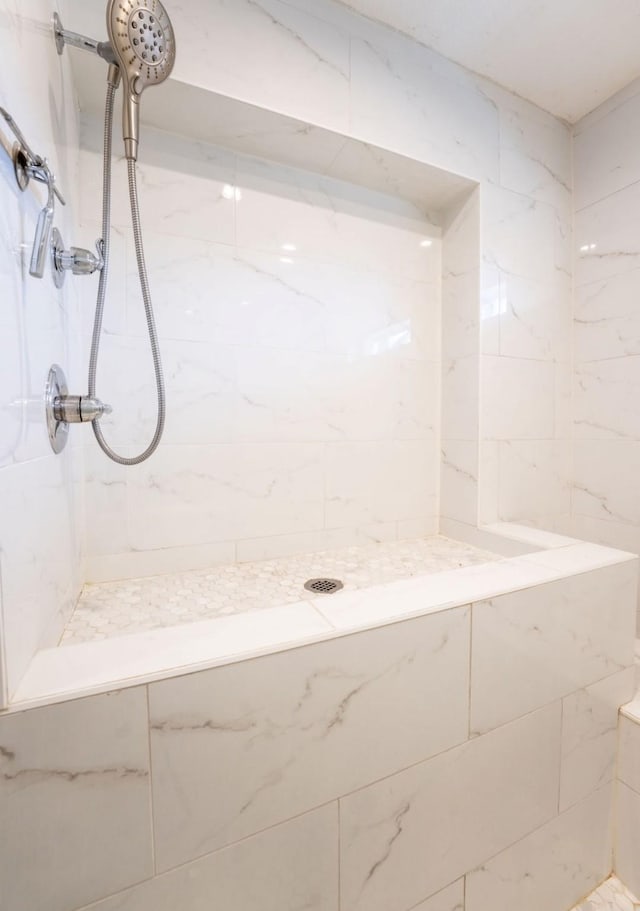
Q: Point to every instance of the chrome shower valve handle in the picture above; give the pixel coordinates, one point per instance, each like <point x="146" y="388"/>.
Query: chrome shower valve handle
<point x="63" y="409"/>
<point x="79" y="409"/>
<point x="76" y="259"/>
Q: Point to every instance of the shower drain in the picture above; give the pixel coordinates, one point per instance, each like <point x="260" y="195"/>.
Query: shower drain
<point x="323" y="586"/>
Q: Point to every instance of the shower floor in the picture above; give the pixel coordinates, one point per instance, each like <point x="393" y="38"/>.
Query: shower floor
<point x="117" y="608"/>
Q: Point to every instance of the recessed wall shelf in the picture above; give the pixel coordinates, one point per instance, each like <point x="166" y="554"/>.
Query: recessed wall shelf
<point x="220" y="120"/>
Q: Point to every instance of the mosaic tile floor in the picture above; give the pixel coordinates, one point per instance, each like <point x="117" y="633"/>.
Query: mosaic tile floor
<point x="117" y="608"/>
<point x="611" y="896"/>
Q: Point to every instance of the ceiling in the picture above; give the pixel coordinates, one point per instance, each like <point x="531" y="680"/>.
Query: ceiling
<point x="567" y="56"/>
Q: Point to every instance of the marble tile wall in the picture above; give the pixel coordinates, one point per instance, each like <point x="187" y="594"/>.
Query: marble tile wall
<point x="627" y="850"/>
<point x="40" y="494"/>
<point x="299" y="323"/>
<point x="382" y="88"/>
<point x="291" y="780"/>
<point x="606" y="508"/>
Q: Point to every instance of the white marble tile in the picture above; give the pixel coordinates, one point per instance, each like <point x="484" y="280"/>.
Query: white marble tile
<point x="201" y="494"/>
<point x="57" y="674"/>
<point x="332" y="221"/>
<point x="627" y="849"/>
<point x="134" y="564"/>
<point x="605" y="399"/>
<point x="76" y="801"/>
<point x="460" y="316"/>
<point x="357" y="481"/>
<point x="518" y="400"/>
<point x="535" y="318"/>
<point x="604" y="159"/>
<point x="449" y="899"/>
<point x="580" y="557"/>
<point x="536" y="645"/>
<point x="291" y="865"/>
<point x="331" y="396"/>
<point x="348" y="610"/>
<point x="39" y="588"/>
<point x="278" y="546"/>
<point x="440" y="120"/>
<point x="38" y="325"/>
<point x="461" y="237"/>
<point x="606" y="237"/>
<point x="286" y="753"/>
<point x="460" y="397"/>
<point x="552" y="868"/>
<point x="489" y="489"/>
<point x="308" y="59"/>
<point x="606" y="320"/>
<point x="535" y="151"/>
<point x="590" y="735"/>
<point x="629" y="753"/>
<point x="118" y="608"/>
<point x="534" y="479"/>
<point x="323" y="306"/>
<point x="105" y="489"/>
<point x="539" y="539"/>
<point x="431" y="188"/>
<point x="519" y="235"/>
<point x="416" y="831"/>
<point x="611" y="534"/>
<point x="459" y="481"/>
<point x="201" y="380"/>
<point x="492" y="306"/>
<point x="601" y="472"/>
<point x="168" y="161"/>
<point x="612" y="895"/>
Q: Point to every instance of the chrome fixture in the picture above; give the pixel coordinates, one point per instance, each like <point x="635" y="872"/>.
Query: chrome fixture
<point x="140" y="52"/>
<point x="63" y="409"/>
<point x="324" y="586"/>
<point x="143" y="41"/>
<point x="76" y="259"/>
<point x="73" y="39"/>
<point x="28" y="165"/>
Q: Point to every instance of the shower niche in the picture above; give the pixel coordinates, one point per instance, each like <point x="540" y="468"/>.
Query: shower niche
<point x="317" y="303"/>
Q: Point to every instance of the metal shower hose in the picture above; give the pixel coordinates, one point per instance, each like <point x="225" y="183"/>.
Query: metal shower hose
<point x="144" y="285"/>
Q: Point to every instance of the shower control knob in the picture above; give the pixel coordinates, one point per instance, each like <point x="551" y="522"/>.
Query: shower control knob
<point x="76" y="259"/>
<point x="63" y="409"/>
<point x="78" y="409"/>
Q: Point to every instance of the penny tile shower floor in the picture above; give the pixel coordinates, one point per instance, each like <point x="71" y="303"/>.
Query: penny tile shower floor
<point x="117" y="608"/>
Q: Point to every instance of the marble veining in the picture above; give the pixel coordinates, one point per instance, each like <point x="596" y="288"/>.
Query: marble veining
<point x="611" y="896"/>
<point x="116" y="608"/>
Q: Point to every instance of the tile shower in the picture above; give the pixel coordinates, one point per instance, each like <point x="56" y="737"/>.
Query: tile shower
<point x="351" y="371"/>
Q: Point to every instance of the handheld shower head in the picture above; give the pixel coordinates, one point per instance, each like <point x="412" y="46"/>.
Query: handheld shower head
<point x="143" y="42"/>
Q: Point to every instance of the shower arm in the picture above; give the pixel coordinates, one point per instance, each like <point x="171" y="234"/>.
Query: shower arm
<point x="64" y="36"/>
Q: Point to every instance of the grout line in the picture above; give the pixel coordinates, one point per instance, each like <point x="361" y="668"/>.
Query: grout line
<point x="470" y="666"/>
<point x="561" y="741"/>
<point x="339" y="802"/>
<point x="151" y="797"/>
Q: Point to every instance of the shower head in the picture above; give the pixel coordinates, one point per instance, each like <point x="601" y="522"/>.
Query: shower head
<point x="143" y="42"/>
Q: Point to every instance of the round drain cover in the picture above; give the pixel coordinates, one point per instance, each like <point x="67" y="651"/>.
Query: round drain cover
<point x="323" y="586"/>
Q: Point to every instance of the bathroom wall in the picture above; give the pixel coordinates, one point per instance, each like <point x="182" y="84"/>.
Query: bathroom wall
<point x="627" y="853"/>
<point x="40" y="494"/>
<point x="292" y="780"/>
<point x="509" y="353"/>
<point x="606" y="495"/>
<point x="299" y="325"/>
